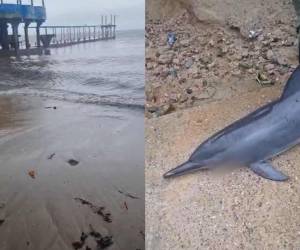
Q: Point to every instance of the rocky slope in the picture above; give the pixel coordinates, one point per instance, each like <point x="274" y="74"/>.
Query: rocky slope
<point x="224" y="48"/>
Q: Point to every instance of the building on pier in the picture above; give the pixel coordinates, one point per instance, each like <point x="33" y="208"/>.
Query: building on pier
<point x="17" y="13"/>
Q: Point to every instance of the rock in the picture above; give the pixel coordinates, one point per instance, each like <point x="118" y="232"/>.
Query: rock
<point x="211" y="65"/>
<point x="194" y="71"/>
<point x="269" y="67"/>
<point x="245" y="65"/>
<point x="290" y="41"/>
<point x="152" y="109"/>
<point x="282" y="61"/>
<point x="189" y="62"/>
<point x="151" y="54"/>
<point x="222" y="51"/>
<point x="149" y="66"/>
<point x="263" y="79"/>
<point x="211" y="43"/>
<point x="189" y="91"/>
<point x="176" y="61"/>
<point x="233" y="23"/>
<point x="173" y="72"/>
<point x="204" y="83"/>
<point x="206" y="59"/>
<point x="245" y="53"/>
<point x="165" y="58"/>
<point x="165" y="109"/>
<point x="270" y="55"/>
<point x="185" y="43"/>
<point x="174" y="97"/>
<point x="236" y="73"/>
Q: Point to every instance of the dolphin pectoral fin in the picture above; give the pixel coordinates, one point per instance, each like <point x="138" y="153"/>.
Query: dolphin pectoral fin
<point x="266" y="170"/>
<point x="183" y="169"/>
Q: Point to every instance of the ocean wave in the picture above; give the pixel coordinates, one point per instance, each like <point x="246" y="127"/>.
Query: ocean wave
<point x="76" y="97"/>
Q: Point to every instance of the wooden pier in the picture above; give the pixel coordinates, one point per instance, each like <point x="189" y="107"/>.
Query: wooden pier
<point x="38" y="38"/>
<point x="60" y="36"/>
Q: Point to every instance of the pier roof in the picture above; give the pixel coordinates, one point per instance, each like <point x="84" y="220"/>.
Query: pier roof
<point x="22" y="12"/>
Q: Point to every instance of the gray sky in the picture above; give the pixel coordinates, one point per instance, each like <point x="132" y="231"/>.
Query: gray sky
<point x="130" y="13"/>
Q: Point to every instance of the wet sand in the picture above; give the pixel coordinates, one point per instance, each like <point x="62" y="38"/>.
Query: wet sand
<point x="42" y="212"/>
<point x="211" y="210"/>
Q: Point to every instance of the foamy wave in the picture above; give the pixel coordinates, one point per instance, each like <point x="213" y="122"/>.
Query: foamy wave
<point x="85" y="98"/>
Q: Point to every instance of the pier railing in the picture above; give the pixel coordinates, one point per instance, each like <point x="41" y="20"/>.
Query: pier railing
<point x="59" y="36"/>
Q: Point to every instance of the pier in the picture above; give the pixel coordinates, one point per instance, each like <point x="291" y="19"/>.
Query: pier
<point x="34" y="38"/>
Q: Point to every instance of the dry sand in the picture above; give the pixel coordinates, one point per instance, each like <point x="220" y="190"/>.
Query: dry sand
<point x="209" y="210"/>
<point x="41" y="213"/>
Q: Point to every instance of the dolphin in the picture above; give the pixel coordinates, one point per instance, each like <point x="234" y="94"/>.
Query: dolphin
<point x="254" y="139"/>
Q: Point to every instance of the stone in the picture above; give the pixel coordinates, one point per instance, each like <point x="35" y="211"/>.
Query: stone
<point x="165" y="109"/>
<point x="173" y="72"/>
<point x="151" y="54"/>
<point x="194" y="71"/>
<point x="189" y="62"/>
<point x="245" y="53"/>
<point x="185" y="43"/>
<point x="165" y="58"/>
<point x="189" y="91"/>
<point x="269" y="67"/>
<point x="152" y="109"/>
<point x="270" y="55"/>
<point x="176" y="61"/>
<point x="245" y="65"/>
<point x="164" y="74"/>
<point x="282" y="61"/>
<point x="174" y="97"/>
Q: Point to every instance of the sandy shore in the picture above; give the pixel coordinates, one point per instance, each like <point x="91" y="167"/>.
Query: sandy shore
<point x="208" y="210"/>
<point x="42" y="212"/>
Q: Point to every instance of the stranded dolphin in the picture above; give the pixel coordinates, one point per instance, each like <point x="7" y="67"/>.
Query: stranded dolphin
<point x="254" y="139"/>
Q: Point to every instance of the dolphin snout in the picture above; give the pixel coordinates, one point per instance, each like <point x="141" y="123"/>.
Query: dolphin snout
<point x="182" y="169"/>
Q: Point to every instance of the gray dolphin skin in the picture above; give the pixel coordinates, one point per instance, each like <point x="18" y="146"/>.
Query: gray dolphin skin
<point x="254" y="139"/>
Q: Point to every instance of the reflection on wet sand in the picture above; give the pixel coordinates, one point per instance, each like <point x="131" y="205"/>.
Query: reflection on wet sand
<point x="14" y="113"/>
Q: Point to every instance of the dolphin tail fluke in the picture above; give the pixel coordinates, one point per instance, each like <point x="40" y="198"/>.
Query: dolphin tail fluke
<point x="182" y="169"/>
<point x="266" y="170"/>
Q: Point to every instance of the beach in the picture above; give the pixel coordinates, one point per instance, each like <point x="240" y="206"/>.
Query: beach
<point x="45" y="212"/>
<point x="228" y="209"/>
<point x="72" y="147"/>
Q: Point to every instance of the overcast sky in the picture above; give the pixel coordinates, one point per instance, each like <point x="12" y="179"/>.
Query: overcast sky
<point x="130" y="13"/>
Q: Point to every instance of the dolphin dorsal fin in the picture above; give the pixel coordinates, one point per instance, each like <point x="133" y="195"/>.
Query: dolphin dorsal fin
<point x="293" y="84"/>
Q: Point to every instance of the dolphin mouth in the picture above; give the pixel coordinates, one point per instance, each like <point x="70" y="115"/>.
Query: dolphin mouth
<point x="182" y="169"/>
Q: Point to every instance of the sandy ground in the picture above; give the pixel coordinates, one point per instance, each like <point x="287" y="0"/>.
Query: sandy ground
<point x="41" y="213"/>
<point x="210" y="210"/>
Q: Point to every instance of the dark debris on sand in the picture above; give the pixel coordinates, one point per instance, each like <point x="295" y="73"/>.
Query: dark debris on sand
<point x="50" y="157"/>
<point x="142" y="233"/>
<point x="54" y="107"/>
<point x="73" y="162"/>
<point x="1" y="222"/>
<point x="102" y="242"/>
<point x="96" y="209"/>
